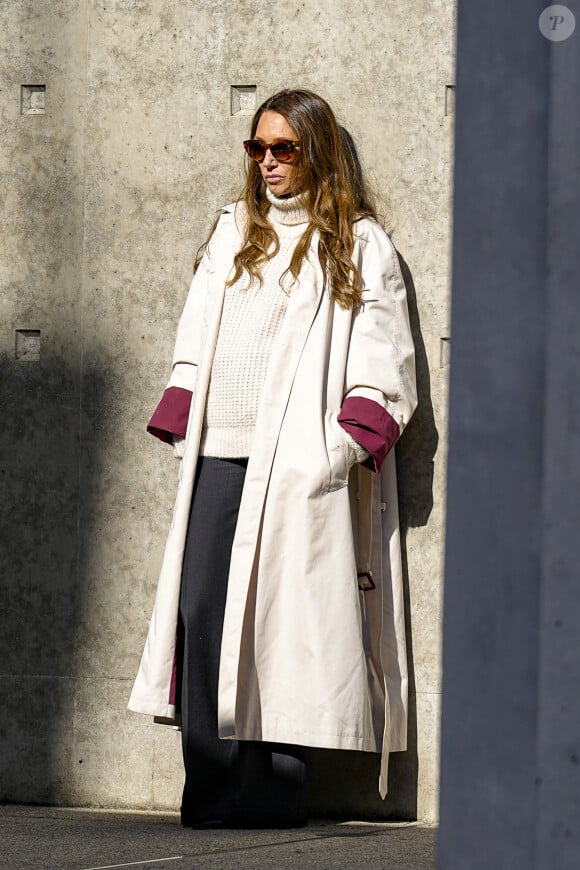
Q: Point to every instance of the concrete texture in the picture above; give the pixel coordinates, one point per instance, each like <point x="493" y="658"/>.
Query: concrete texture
<point x="54" y="839"/>
<point x="105" y="200"/>
<point x="511" y="719"/>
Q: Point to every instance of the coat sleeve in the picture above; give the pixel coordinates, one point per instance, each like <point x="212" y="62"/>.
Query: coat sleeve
<point x="380" y="386"/>
<point x="172" y="413"/>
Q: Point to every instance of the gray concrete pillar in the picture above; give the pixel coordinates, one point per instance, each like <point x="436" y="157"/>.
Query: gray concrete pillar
<point x="510" y="779"/>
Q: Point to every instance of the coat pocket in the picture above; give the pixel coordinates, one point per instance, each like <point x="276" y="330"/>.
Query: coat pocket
<point x="338" y="451"/>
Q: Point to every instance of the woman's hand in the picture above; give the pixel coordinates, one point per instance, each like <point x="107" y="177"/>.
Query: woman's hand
<point x="356" y="452"/>
<point x="178" y="446"/>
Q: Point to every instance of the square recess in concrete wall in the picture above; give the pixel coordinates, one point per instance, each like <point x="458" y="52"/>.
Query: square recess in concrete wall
<point x="28" y="345"/>
<point x="243" y="99"/>
<point x="449" y="99"/>
<point x="33" y="99"/>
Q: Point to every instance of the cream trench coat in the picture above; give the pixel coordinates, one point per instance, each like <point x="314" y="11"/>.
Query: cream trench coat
<point x="306" y="657"/>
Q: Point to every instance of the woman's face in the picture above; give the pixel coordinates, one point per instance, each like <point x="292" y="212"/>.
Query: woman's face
<point x="281" y="178"/>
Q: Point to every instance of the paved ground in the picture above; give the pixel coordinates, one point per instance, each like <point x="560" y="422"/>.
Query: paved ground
<point x="32" y="838"/>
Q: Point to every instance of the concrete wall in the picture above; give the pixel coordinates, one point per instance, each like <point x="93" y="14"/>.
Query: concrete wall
<point x="105" y="198"/>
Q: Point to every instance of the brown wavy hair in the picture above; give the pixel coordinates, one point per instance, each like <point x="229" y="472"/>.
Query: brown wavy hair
<point x="330" y="175"/>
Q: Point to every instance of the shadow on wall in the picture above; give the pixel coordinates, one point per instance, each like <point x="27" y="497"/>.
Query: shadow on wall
<point x="42" y="572"/>
<point x="49" y="483"/>
<point x="334" y="772"/>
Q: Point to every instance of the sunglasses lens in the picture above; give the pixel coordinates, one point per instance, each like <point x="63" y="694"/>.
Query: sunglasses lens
<point x="282" y="151"/>
<point x="255" y="149"/>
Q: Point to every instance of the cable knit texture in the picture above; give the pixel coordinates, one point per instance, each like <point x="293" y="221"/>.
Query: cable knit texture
<point x="251" y="320"/>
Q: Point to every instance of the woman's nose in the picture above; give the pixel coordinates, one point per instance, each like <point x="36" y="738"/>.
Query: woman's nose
<point x="269" y="159"/>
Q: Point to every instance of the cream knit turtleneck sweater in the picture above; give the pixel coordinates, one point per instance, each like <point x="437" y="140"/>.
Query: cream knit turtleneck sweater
<point x="251" y="320"/>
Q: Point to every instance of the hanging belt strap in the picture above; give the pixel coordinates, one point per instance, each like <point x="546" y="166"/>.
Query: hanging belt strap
<point x="365" y="577"/>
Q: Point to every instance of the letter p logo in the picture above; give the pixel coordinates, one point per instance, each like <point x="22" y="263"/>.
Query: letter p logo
<point x="557" y="23"/>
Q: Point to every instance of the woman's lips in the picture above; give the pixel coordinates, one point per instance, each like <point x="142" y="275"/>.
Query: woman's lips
<point x="272" y="179"/>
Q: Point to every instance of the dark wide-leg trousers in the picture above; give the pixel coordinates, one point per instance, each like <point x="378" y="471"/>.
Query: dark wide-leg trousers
<point x="229" y="782"/>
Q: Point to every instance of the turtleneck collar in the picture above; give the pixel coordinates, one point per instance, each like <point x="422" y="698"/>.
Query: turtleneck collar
<point x="289" y="211"/>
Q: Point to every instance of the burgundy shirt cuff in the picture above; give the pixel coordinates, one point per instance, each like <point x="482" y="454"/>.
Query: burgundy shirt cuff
<point x="371" y="426"/>
<point x="171" y="414"/>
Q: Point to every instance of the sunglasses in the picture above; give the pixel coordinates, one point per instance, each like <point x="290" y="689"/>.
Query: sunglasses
<point x="282" y="150"/>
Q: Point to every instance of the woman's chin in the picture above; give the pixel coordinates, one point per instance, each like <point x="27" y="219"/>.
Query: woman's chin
<point x="279" y="190"/>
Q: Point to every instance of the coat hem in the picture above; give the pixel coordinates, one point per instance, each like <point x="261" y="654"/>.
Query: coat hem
<point x="151" y="708"/>
<point x="302" y="738"/>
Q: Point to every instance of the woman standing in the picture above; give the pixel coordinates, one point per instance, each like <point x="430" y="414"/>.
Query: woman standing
<point x="278" y="620"/>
